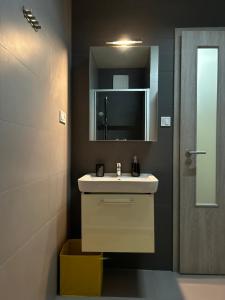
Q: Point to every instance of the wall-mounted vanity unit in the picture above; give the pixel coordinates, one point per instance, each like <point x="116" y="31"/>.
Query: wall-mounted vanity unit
<point x="118" y="213"/>
<point x="123" y="90"/>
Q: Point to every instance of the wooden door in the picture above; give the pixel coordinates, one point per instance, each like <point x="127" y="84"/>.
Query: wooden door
<point x="202" y="152"/>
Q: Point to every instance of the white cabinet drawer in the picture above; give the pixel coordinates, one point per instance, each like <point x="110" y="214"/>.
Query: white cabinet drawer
<point x="118" y="223"/>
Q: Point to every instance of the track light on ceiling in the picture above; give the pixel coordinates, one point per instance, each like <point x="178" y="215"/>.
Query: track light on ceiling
<point x="28" y="15"/>
<point x="31" y="19"/>
<point x="27" y="11"/>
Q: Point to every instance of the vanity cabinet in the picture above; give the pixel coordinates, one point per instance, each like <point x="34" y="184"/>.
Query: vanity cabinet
<point x="118" y="223"/>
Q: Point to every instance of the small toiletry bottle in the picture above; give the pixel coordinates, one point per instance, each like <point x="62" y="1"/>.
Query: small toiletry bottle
<point x="135" y="167"/>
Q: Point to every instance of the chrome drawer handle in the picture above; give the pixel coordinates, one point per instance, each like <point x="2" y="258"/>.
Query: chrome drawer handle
<point x="118" y="201"/>
<point x="194" y="152"/>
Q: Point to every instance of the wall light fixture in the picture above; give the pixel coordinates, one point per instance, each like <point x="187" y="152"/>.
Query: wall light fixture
<point x="124" y="43"/>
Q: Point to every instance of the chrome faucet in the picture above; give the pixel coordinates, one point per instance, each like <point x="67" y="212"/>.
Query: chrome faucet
<point x="118" y="169"/>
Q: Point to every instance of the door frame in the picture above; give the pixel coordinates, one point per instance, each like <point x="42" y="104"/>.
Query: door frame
<point x="176" y="140"/>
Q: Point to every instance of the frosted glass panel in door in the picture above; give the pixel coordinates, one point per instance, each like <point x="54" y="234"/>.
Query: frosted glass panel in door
<point x="206" y="125"/>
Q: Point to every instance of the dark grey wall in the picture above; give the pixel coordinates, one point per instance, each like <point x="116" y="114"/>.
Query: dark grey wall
<point x="152" y="21"/>
<point x="138" y="78"/>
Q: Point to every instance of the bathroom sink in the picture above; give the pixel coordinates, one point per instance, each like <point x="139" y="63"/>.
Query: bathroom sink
<point x="110" y="183"/>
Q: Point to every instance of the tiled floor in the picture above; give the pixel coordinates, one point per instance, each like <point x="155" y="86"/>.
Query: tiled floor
<point x="158" y="285"/>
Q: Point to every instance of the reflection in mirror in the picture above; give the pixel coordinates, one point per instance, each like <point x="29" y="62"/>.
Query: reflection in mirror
<point x="206" y="121"/>
<point x="120" y="116"/>
<point x="123" y="93"/>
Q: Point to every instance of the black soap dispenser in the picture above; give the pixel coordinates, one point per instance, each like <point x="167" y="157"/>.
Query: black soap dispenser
<point x="135" y="167"/>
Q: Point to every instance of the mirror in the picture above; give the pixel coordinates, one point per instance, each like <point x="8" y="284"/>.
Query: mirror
<point x="123" y="89"/>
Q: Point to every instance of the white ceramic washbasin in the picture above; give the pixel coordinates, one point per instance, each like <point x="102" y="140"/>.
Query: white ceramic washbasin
<point x="110" y="183"/>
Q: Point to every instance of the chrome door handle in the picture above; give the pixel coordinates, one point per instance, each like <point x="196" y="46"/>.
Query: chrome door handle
<point x="194" y="152"/>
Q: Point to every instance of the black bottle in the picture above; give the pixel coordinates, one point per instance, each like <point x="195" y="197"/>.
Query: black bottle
<point x="135" y="167"/>
<point x="99" y="170"/>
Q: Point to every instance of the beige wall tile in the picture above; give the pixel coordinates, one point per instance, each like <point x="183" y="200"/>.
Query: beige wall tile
<point x="28" y="100"/>
<point x="24" y="155"/>
<point x="58" y="150"/>
<point x="24" y="98"/>
<point x="30" y="47"/>
<point x="33" y="147"/>
<point x="57" y="191"/>
<point x="31" y="273"/>
<point x="22" y="212"/>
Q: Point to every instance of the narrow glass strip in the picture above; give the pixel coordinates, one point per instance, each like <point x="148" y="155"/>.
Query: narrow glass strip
<point x="207" y="85"/>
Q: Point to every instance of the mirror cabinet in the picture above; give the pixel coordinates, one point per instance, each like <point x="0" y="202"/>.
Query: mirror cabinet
<point x="123" y="90"/>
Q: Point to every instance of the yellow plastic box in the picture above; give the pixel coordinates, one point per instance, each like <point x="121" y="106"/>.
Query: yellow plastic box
<point x="80" y="272"/>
